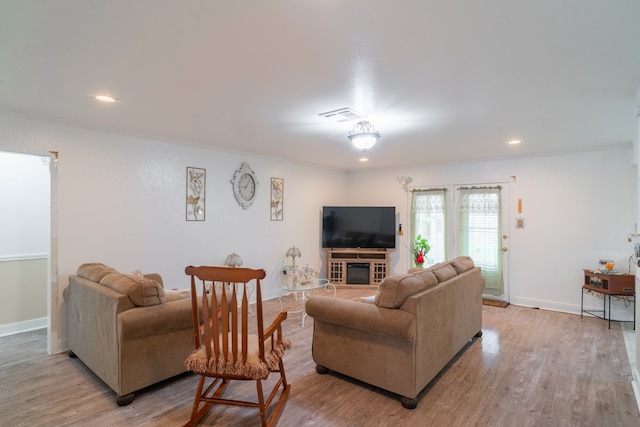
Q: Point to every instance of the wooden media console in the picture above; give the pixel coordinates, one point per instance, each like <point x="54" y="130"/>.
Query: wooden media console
<point x="357" y="268"/>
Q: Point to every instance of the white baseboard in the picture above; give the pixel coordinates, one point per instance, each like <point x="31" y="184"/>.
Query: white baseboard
<point x="546" y="305"/>
<point x="619" y="313"/>
<point x="25" y="326"/>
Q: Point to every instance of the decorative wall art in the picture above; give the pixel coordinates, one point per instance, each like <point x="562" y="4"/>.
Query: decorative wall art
<point x="196" y="190"/>
<point x="277" y="199"/>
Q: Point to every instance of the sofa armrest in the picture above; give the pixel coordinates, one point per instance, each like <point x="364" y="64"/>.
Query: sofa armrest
<point x="159" y="319"/>
<point x="362" y="316"/>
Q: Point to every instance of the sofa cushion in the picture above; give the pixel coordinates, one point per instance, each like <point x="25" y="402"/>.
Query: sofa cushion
<point x="428" y="277"/>
<point x="395" y="289"/>
<point x="444" y="272"/>
<point x="156" y="277"/>
<point x="462" y="264"/>
<point x="94" y="271"/>
<point x="142" y="291"/>
<point x="438" y="265"/>
<point x="176" y="294"/>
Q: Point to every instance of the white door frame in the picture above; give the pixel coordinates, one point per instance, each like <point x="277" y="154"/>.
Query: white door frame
<point x="53" y="303"/>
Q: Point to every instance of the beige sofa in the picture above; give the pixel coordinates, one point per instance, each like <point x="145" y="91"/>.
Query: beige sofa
<point x="401" y="340"/>
<point x="127" y="328"/>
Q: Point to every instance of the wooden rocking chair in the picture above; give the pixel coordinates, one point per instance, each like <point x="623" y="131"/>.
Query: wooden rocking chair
<point x="231" y="344"/>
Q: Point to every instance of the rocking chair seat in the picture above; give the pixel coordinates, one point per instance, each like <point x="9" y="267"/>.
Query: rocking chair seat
<point x="254" y="368"/>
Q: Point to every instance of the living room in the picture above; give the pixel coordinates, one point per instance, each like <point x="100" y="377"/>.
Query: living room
<point x="135" y="213"/>
<point x="119" y="198"/>
<point x="136" y="196"/>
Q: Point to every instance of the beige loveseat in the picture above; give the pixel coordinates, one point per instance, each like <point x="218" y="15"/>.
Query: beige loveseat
<point x="400" y="341"/>
<point x="127" y="328"/>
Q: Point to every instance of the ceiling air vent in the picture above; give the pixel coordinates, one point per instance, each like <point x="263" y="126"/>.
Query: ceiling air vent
<point x="343" y="115"/>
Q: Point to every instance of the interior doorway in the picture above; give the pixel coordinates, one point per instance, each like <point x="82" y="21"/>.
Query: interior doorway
<point x="25" y="262"/>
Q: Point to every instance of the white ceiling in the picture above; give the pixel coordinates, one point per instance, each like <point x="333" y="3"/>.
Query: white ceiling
<point x="441" y="80"/>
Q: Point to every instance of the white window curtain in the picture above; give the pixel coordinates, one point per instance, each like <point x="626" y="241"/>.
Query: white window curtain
<point x="480" y="232"/>
<point x="428" y="219"/>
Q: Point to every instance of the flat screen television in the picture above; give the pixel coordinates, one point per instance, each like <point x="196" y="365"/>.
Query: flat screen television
<point x="353" y="227"/>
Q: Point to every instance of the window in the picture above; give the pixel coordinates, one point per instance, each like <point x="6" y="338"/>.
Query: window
<point x="428" y="219"/>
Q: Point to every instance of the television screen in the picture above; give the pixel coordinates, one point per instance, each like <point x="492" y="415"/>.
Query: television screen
<point x="352" y="227"/>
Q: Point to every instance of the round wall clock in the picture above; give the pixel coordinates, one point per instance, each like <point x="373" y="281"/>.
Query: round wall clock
<point x="245" y="185"/>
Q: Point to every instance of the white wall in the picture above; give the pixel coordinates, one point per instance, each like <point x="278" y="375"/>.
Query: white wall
<point x="23" y="306"/>
<point x="24" y="217"/>
<point x="121" y="201"/>
<point x="578" y="208"/>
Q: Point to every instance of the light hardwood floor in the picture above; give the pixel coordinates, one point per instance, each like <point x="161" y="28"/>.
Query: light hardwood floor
<point x="530" y="368"/>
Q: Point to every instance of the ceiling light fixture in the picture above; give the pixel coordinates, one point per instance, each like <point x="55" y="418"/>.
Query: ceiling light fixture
<point x="364" y="135"/>
<point x="514" y="142"/>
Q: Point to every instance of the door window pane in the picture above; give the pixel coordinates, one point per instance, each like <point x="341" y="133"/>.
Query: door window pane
<point x="479" y="233"/>
<point x="428" y="219"/>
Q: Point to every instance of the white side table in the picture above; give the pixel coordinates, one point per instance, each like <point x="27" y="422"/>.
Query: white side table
<point x="305" y="289"/>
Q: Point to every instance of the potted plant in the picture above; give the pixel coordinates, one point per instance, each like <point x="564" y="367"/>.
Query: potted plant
<point x="419" y="249"/>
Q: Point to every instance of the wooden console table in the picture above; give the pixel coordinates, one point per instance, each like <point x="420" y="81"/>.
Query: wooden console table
<point x="608" y="286"/>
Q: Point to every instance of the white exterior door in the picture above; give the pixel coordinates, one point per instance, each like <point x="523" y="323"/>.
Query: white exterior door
<point x="468" y="220"/>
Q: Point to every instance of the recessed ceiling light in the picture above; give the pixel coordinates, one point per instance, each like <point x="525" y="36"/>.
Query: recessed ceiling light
<point x="514" y="142"/>
<point x="104" y="98"/>
<point x="363" y="159"/>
